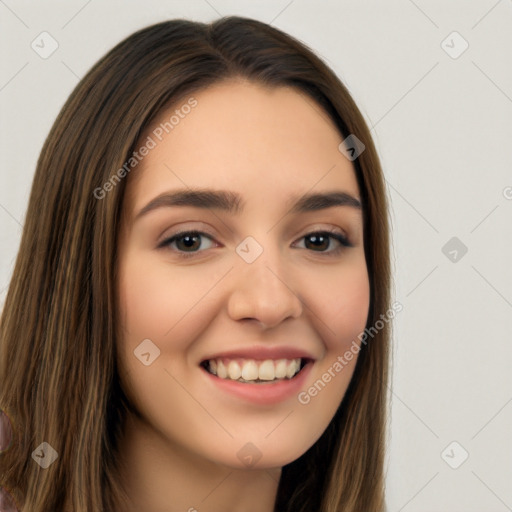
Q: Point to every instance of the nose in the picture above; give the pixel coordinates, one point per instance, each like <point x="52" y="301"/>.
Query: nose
<point x="264" y="293"/>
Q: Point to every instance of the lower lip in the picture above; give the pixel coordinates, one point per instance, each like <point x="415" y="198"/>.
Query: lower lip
<point x="265" y="393"/>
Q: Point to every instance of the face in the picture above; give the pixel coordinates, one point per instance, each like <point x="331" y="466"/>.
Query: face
<point x="259" y="292"/>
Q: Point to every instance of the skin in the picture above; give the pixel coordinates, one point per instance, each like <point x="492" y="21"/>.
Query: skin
<point x="179" y="451"/>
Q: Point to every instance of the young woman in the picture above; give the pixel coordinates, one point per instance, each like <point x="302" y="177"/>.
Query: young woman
<point x="195" y="318"/>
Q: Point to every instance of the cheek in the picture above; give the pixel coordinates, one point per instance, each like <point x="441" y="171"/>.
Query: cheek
<point x="342" y="301"/>
<point x="341" y="306"/>
<point x="147" y="311"/>
<point x="343" y="311"/>
<point x="152" y="299"/>
<point x="165" y="305"/>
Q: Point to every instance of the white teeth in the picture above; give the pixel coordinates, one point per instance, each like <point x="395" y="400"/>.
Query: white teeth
<point x="234" y="370"/>
<point x="280" y="369"/>
<point x="221" y="370"/>
<point x="293" y="368"/>
<point x="266" y="371"/>
<point x="249" y="370"/>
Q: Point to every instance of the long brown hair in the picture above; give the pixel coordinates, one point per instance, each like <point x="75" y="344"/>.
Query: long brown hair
<point x="58" y="372"/>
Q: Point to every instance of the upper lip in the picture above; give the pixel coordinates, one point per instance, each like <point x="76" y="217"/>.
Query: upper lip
<point x="262" y="353"/>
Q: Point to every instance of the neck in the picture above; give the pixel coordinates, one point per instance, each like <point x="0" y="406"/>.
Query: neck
<point x="159" y="475"/>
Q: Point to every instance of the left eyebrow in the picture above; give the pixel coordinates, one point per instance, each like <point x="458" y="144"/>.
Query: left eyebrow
<point x="320" y="201"/>
<point x="232" y="202"/>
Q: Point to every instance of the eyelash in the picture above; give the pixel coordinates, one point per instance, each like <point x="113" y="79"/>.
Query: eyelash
<point x="332" y="234"/>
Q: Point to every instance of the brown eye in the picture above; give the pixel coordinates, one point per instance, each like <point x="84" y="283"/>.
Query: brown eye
<point x="186" y="242"/>
<point x="320" y="241"/>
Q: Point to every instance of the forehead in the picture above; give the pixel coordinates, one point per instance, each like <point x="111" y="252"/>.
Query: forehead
<point x="268" y="142"/>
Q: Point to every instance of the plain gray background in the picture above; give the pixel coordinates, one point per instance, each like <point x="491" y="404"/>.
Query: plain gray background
<point x="441" y="118"/>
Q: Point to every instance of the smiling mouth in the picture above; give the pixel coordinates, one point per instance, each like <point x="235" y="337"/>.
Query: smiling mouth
<point x="255" y="371"/>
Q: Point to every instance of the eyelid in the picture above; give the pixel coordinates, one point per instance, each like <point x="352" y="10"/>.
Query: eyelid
<point x="198" y="227"/>
<point x="188" y="231"/>
<point x="330" y="229"/>
<point x="334" y="233"/>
